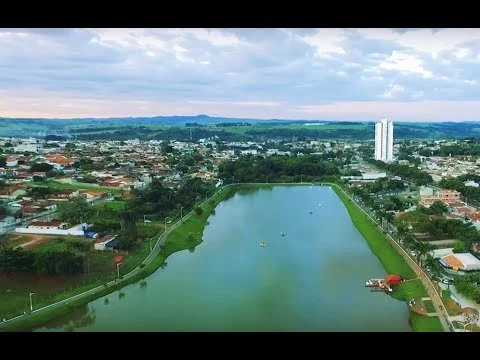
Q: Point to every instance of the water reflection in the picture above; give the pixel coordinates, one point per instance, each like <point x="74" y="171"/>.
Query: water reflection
<point x="79" y="317"/>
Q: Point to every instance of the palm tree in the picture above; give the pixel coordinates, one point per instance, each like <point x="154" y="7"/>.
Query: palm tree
<point x="409" y="240"/>
<point x="423" y="249"/>
<point x="389" y="217"/>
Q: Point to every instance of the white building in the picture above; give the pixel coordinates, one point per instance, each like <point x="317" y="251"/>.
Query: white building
<point x="34" y="148"/>
<point x="471" y="183"/>
<point x="384" y="140"/>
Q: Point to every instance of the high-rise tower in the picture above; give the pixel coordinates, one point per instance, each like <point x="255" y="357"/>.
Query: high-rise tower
<point x="384" y="140"/>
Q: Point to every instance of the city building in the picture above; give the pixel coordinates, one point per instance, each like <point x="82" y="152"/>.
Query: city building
<point x="384" y="140"/>
<point x="33" y="148"/>
<point x="445" y="196"/>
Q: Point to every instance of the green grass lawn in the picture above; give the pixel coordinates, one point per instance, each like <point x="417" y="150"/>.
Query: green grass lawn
<point x="409" y="290"/>
<point x="59" y="186"/>
<point x="421" y="323"/>
<point x="429" y="306"/>
<point x="391" y="260"/>
<point x="451" y="306"/>
<point x="113" y="204"/>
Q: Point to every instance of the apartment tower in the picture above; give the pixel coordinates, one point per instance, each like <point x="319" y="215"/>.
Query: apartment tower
<point x="384" y="140"/>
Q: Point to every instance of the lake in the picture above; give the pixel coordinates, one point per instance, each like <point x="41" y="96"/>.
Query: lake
<point x="311" y="279"/>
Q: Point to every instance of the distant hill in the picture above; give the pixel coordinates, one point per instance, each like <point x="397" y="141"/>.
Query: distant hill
<point x="169" y="127"/>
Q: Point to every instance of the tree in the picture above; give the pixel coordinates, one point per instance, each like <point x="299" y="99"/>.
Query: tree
<point x="89" y="179"/>
<point x="37" y="178"/>
<point x="438" y="208"/>
<point x="75" y="211"/>
<point x="70" y="146"/>
<point x="3" y="161"/>
<point x="129" y="233"/>
<point x="460" y="247"/>
<point x="15" y="259"/>
<point x="41" y="167"/>
<point x="198" y="210"/>
<point x="422" y="248"/>
<point x="59" y="262"/>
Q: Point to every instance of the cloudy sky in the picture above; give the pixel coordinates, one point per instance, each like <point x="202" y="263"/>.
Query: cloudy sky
<point x="332" y="74"/>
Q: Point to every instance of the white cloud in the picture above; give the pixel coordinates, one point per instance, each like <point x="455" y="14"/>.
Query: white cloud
<point x="234" y="72"/>
<point x="428" y="41"/>
<point x="393" y="90"/>
<point x="461" y="53"/>
<point x="215" y="37"/>
<point x="405" y="64"/>
<point x="327" y="42"/>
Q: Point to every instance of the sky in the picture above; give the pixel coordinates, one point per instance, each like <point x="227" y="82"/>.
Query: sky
<point x="322" y="74"/>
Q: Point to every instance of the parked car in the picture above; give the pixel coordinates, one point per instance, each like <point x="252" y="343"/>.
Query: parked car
<point x="447" y="281"/>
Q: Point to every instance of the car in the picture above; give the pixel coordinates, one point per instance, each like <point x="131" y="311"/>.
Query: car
<point x="447" y="281"/>
<point x="428" y="268"/>
<point x="413" y="253"/>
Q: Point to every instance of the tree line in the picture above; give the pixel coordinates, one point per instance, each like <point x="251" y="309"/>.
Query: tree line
<point x="410" y="173"/>
<point x="276" y="168"/>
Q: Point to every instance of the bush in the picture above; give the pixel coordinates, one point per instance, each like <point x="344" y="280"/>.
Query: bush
<point x="198" y="211"/>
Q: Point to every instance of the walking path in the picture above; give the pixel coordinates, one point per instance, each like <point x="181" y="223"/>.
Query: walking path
<point x="426" y="281"/>
<point x="155" y="251"/>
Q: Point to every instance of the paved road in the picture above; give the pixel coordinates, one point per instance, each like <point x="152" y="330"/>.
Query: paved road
<point x="427" y="282"/>
<point x="156" y="249"/>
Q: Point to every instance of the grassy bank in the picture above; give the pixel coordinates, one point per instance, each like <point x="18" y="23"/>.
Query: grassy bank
<point x="179" y="239"/>
<point x="393" y="263"/>
<point x="422" y="323"/>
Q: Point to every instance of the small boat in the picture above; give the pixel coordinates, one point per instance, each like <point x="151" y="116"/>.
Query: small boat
<point x="319" y="204"/>
<point x="283" y="234"/>
<point x="262" y="244"/>
<point x="311" y="212"/>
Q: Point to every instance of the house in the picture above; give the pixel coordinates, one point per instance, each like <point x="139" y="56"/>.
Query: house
<point x="93" y="195"/>
<point x="107" y="242"/>
<point x="6" y="220"/>
<point x="448" y="196"/>
<point x="43" y="225"/>
<point x="64" y="195"/>
<point x="54" y="227"/>
<point x="203" y="175"/>
<point x="445" y="196"/>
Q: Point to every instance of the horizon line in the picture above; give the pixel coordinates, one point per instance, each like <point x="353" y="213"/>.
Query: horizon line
<point x="226" y="117"/>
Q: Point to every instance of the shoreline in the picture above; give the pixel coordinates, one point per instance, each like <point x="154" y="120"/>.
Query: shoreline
<point x="392" y="261"/>
<point x="377" y="242"/>
<point x="140" y="272"/>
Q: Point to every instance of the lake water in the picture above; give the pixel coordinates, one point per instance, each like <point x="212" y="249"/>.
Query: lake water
<point x="311" y="279"/>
